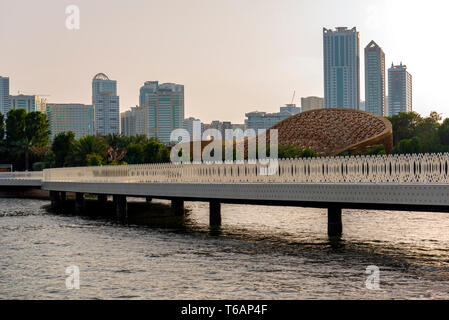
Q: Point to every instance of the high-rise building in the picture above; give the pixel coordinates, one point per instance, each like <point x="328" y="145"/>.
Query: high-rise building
<point x="75" y="117"/>
<point x="311" y="103"/>
<point x="164" y="110"/>
<point x="133" y="122"/>
<point x="106" y="105"/>
<point x="292" y="108"/>
<point x="148" y="87"/>
<point x="375" y="95"/>
<point x="400" y="98"/>
<point x="28" y="102"/>
<point x="341" y="68"/>
<point x="4" y="95"/>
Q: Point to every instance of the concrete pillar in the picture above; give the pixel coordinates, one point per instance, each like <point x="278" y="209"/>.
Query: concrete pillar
<point x="148" y="199"/>
<point x="102" y="198"/>
<point x="214" y="213"/>
<point x="55" y="200"/>
<point x="334" y="223"/>
<point x="63" y="196"/>
<point x="177" y="207"/>
<point x="121" y="207"/>
<point x="79" y="202"/>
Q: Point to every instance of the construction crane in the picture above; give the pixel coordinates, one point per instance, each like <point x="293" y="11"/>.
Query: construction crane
<point x="294" y="93"/>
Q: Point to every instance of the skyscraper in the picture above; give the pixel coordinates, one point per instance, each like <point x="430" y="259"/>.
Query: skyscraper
<point x="164" y="110"/>
<point x="341" y="68"/>
<point x="133" y="122"/>
<point x="4" y="95"/>
<point x="400" y="98"/>
<point x="75" y="117"/>
<point x="106" y="105"/>
<point x="148" y="87"/>
<point x="311" y="103"/>
<point x="375" y="95"/>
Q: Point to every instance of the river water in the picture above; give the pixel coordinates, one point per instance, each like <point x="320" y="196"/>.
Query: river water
<point x="260" y="252"/>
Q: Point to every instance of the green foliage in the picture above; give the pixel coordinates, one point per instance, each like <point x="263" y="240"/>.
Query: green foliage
<point x="415" y="134"/>
<point x="94" y="159"/>
<point x="293" y="152"/>
<point x="62" y="148"/>
<point x="88" y="145"/>
<point x="25" y="132"/>
<point x="2" y="126"/>
<point x="376" y="150"/>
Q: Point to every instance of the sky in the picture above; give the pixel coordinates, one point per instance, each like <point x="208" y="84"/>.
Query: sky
<point x="232" y="56"/>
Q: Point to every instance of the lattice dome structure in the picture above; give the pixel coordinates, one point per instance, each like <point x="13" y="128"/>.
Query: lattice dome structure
<point x="334" y="131"/>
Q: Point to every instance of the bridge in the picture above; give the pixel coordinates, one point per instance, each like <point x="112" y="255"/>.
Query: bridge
<point x="393" y="182"/>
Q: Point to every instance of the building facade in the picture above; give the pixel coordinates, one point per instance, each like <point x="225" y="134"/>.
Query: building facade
<point x="28" y="102"/>
<point x="4" y="95"/>
<point x="75" y="117"/>
<point x="341" y="68"/>
<point x="164" y="110"/>
<point x="400" y="95"/>
<point x="375" y="92"/>
<point x="106" y="105"/>
<point x="149" y="87"/>
<point x="133" y="122"/>
<point x="311" y="103"/>
<point x="262" y="121"/>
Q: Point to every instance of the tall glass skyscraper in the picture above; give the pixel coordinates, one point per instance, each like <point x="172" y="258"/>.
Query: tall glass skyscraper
<point x="75" y="117"/>
<point x="341" y="68"/>
<point x="164" y="110"/>
<point x="375" y="94"/>
<point x="4" y="95"/>
<point x="400" y="96"/>
<point x="106" y="105"/>
<point x="148" y="87"/>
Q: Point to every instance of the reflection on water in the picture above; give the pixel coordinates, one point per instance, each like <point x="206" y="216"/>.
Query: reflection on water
<point x="260" y="252"/>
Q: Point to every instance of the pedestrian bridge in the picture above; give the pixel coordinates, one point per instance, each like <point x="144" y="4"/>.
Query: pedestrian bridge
<point x="393" y="182"/>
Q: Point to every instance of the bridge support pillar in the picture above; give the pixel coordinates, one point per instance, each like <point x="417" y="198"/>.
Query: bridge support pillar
<point x="79" y="202"/>
<point x="334" y="223"/>
<point x="214" y="213"/>
<point x="63" y="196"/>
<point x="148" y="199"/>
<point x="177" y="207"/>
<point x="102" y="199"/>
<point x="55" y="200"/>
<point x="121" y="207"/>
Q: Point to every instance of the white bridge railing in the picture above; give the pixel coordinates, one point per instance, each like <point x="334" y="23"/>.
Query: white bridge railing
<point x="425" y="168"/>
<point x="30" y="175"/>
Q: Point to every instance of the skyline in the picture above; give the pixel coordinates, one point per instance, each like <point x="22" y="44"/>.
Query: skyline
<point x="280" y="50"/>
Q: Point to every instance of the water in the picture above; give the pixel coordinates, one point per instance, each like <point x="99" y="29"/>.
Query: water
<point x="259" y="253"/>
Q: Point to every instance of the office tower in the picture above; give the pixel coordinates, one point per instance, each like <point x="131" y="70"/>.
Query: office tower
<point x="164" y="110"/>
<point x="341" y="68"/>
<point x="375" y="95"/>
<point x="133" y="122"/>
<point x="188" y="125"/>
<point x="28" y="102"/>
<point x="4" y="95"/>
<point x="311" y="103"/>
<point x="399" y="90"/>
<point x="75" y="117"/>
<point x="148" y="87"/>
<point x="106" y="105"/>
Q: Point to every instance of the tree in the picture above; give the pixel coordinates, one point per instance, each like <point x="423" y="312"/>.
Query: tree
<point x="135" y="153"/>
<point x="89" y="145"/>
<point x="443" y="132"/>
<point x="93" y="159"/>
<point x="25" y="131"/>
<point x="404" y="125"/>
<point x="408" y="146"/>
<point x="62" y="147"/>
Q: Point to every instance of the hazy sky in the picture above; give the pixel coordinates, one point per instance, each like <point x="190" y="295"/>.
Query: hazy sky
<point x="233" y="56"/>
